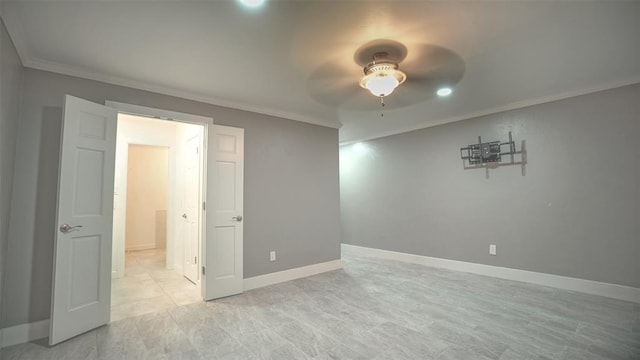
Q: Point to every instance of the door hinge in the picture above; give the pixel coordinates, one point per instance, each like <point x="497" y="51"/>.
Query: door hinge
<point x="203" y="270"/>
<point x="195" y="259"/>
<point x="204" y="207"/>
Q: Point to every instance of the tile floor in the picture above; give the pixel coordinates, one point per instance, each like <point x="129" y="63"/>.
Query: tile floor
<point x="372" y="309"/>
<point x="149" y="287"/>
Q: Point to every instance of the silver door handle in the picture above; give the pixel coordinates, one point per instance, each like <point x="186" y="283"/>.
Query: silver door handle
<point x="237" y="218"/>
<point x="66" y="228"/>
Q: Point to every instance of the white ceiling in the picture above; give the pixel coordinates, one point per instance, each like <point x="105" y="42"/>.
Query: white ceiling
<point x="276" y="59"/>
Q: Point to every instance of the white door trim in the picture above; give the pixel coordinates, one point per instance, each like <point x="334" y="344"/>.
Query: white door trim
<point x="158" y="113"/>
<point x="171" y="116"/>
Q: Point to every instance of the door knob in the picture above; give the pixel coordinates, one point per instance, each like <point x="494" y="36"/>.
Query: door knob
<point x="66" y="228"/>
<point x="237" y="218"/>
<point x="184" y="216"/>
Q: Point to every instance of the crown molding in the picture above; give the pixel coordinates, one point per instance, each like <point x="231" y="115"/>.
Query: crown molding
<point x="17" y="37"/>
<point x="58" y="68"/>
<point x="31" y="62"/>
<point x="495" y="110"/>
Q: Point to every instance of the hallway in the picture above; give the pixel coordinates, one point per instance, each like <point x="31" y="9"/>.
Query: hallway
<point x="148" y="287"/>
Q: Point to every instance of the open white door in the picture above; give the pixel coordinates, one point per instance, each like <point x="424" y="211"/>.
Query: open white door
<point x="223" y="247"/>
<point x="192" y="207"/>
<point x="81" y="294"/>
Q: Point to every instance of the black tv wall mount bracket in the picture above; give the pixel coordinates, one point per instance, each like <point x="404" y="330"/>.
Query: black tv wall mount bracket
<point x="491" y="155"/>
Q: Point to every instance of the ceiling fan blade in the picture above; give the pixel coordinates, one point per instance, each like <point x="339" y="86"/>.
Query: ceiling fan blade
<point x="333" y="83"/>
<point x="428" y="67"/>
<point x="434" y="66"/>
<point x="393" y="50"/>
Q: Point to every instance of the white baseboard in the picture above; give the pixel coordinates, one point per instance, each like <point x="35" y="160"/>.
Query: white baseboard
<point x="137" y="247"/>
<point x="33" y="331"/>
<point x="614" y="291"/>
<point x="291" y="274"/>
<point x="24" y="333"/>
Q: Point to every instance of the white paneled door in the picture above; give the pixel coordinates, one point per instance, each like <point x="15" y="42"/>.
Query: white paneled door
<point x="224" y="243"/>
<point x="192" y="201"/>
<point x="81" y="294"/>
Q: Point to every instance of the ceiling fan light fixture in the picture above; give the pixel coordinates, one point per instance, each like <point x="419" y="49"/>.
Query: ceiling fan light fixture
<point x="382" y="77"/>
<point x="382" y="84"/>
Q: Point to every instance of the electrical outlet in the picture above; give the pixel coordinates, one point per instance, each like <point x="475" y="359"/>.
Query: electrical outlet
<point x="492" y="249"/>
<point x="272" y="256"/>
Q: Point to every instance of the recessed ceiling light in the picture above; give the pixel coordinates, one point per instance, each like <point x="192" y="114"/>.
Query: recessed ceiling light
<point x="445" y="91"/>
<point x="252" y="3"/>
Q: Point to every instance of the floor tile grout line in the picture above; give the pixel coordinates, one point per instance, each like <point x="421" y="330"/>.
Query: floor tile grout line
<point x="550" y="329"/>
<point x="165" y="292"/>
<point x="147" y="261"/>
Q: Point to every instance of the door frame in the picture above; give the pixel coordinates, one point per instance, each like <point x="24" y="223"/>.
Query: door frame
<point x="187" y="242"/>
<point x="160" y="114"/>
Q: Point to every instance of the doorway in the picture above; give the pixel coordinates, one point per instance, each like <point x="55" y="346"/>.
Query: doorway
<point x="89" y="209"/>
<point x="157" y="222"/>
<point x="147" y="199"/>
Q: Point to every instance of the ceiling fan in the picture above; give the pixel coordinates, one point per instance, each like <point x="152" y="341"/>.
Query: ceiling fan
<point x="413" y="74"/>
<point x="381" y="76"/>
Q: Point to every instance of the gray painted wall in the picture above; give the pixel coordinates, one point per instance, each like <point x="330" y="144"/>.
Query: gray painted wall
<point x="576" y="212"/>
<point x="291" y="186"/>
<point x="11" y="73"/>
